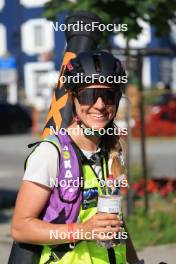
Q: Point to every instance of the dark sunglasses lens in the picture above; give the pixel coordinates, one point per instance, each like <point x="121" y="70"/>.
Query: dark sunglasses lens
<point x="90" y="95"/>
<point x="86" y="97"/>
<point x="109" y="97"/>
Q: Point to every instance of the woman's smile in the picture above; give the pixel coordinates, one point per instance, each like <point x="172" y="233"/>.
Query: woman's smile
<point x="98" y="116"/>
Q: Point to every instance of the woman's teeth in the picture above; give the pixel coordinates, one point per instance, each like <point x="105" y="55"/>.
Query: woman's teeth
<point x="97" y="116"/>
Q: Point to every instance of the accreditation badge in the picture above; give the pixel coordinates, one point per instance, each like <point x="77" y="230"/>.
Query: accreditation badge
<point x="90" y="198"/>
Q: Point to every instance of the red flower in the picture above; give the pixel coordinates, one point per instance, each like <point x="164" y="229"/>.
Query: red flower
<point x="135" y="186"/>
<point x="152" y="186"/>
<point x="141" y="192"/>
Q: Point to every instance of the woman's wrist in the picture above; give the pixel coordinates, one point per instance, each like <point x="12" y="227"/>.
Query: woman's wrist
<point x="71" y="232"/>
<point x="75" y="232"/>
<point x="80" y="229"/>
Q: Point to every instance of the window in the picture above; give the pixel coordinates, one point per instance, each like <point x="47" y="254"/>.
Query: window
<point x="143" y="39"/>
<point x="165" y="70"/>
<point x="38" y="82"/>
<point x="41" y="82"/>
<point x="3" y="38"/>
<point x="174" y="75"/>
<point x="173" y="33"/>
<point x="33" y="3"/>
<point x="37" y="36"/>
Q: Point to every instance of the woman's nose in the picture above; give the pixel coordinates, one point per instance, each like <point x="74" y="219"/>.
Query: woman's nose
<point x="99" y="103"/>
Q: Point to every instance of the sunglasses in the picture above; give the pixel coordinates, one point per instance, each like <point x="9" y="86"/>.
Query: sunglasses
<point x="89" y="96"/>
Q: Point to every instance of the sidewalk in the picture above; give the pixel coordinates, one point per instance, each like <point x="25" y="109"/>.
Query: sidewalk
<point x="151" y="255"/>
<point x="157" y="254"/>
<point x="5" y="238"/>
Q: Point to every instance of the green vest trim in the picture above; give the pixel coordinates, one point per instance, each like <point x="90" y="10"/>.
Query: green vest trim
<point x="87" y="252"/>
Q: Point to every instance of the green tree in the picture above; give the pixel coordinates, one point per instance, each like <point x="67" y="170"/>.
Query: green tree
<point x="157" y="12"/>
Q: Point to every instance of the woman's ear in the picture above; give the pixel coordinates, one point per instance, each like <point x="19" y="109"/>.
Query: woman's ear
<point x="76" y="118"/>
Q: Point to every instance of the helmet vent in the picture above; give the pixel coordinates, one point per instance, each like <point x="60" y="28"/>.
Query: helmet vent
<point x="97" y="63"/>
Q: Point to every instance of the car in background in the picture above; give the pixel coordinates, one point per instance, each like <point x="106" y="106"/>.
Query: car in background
<point x="165" y="108"/>
<point x="160" y="118"/>
<point x="14" y="119"/>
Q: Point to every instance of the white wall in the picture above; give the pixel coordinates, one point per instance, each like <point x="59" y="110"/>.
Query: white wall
<point x="33" y="3"/>
<point x="37" y="36"/>
<point x="3" y="40"/>
<point x="2" y="4"/>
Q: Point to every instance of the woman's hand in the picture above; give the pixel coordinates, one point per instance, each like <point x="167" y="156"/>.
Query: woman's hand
<point x="102" y="226"/>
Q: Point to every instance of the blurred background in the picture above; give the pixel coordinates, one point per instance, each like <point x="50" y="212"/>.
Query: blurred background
<point x="31" y="53"/>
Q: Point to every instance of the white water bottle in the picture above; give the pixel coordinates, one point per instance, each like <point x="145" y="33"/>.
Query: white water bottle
<point x="110" y="204"/>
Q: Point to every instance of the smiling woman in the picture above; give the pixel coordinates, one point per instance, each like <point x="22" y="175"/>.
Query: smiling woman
<point x="96" y="105"/>
<point x="84" y="157"/>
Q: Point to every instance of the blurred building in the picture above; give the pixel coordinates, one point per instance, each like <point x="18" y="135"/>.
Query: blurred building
<point x="30" y="52"/>
<point x="155" y="68"/>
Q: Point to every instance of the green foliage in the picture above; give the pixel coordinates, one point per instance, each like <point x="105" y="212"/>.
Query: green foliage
<point x="136" y="172"/>
<point x="157" y="12"/>
<point x="158" y="227"/>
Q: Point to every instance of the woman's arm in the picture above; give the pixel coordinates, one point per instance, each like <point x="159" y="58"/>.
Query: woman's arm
<point x="27" y="228"/>
<point x="33" y="197"/>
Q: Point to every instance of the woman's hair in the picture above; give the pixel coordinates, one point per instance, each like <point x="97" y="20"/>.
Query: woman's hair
<point x="112" y="144"/>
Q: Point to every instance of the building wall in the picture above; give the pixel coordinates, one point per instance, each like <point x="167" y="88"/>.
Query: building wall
<point x="38" y="49"/>
<point x="155" y="68"/>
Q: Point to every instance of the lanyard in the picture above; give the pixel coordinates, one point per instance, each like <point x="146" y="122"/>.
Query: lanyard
<point x="96" y="156"/>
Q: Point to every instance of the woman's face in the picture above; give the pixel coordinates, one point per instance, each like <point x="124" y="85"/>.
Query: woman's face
<point x="97" y="115"/>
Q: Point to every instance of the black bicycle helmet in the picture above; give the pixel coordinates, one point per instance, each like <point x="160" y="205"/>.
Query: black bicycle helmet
<point x="93" y="64"/>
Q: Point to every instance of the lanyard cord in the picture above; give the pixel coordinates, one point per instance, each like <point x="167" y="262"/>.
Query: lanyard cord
<point x="104" y="188"/>
<point x="85" y="160"/>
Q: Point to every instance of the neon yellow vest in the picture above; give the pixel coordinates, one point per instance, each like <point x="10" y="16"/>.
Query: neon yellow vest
<point x="87" y="252"/>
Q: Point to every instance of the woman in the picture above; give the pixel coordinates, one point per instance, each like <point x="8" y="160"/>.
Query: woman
<point x="95" y="106"/>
